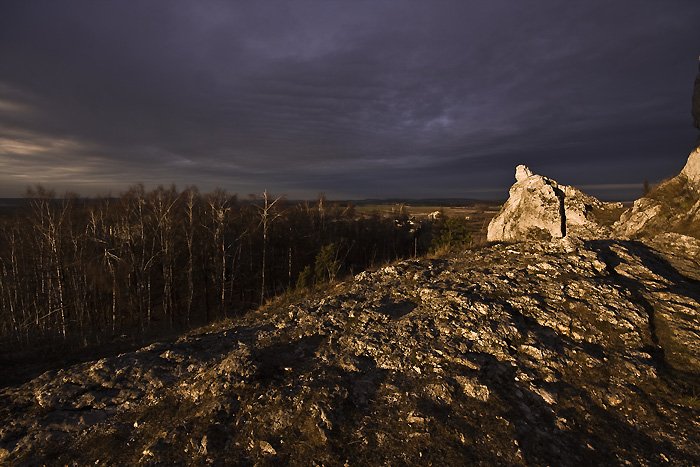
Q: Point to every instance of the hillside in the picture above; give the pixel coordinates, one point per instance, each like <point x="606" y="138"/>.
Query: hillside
<point x="565" y="352"/>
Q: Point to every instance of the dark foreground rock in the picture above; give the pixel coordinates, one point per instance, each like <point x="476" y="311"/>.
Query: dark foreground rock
<point x="541" y="353"/>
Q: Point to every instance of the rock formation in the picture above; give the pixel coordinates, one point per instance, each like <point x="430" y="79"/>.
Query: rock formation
<point x="561" y="353"/>
<point x="673" y="206"/>
<point x="692" y="167"/>
<point x="540" y="208"/>
<point x="691" y="170"/>
<point x="643" y="214"/>
<point x="696" y="100"/>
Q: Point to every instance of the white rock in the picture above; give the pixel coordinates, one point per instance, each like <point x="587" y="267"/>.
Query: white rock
<point x="692" y="169"/>
<point x="522" y="172"/>
<point x="540" y="208"/>
<point x="635" y="220"/>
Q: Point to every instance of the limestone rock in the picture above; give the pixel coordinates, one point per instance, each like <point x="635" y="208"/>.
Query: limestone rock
<point x="673" y="206"/>
<point x="636" y="220"/>
<point x="522" y="172"/>
<point x="533" y="210"/>
<point x="691" y="170"/>
<point x="571" y="352"/>
<point x="540" y="208"/>
<point x="696" y="101"/>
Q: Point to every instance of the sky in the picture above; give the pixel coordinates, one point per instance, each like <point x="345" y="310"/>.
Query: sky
<point x="356" y="99"/>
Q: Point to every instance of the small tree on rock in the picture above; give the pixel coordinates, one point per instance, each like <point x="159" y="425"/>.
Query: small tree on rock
<point x="327" y="265"/>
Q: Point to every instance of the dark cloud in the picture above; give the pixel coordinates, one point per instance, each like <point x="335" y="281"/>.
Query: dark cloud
<point x="357" y="99"/>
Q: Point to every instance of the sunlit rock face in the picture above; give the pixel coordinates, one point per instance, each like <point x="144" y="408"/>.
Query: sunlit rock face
<point x="674" y="205"/>
<point x="637" y="219"/>
<point x="692" y="169"/>
<point x="540" y="208"/>
<point x="522" y="173"/>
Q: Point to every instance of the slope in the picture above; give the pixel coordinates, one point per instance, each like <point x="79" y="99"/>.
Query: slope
<point x="562" y="353"/>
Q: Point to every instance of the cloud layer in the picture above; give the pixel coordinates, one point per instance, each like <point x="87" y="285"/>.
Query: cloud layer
<point x="357" y="99"/>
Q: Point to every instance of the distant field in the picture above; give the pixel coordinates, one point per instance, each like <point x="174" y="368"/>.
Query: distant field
<point x="477" y="215"/>
<point x="419" y="211"/>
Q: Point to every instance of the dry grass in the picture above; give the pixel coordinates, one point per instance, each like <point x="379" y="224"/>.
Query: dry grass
<point x="675" y="193"/>
<point x="676" y="198"/>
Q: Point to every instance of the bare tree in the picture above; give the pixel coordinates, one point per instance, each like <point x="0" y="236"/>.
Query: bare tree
<point x="162" y="204"/>
<point x="267" y="216"/>
<point x="191" y="195"/>
<point x="219" y="208"/>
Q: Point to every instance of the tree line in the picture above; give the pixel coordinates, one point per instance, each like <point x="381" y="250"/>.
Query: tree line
<point x="82" y="271"/>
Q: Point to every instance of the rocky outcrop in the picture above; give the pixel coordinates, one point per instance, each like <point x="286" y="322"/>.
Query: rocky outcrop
<point x="673" y="206"/>
<point x="533" y="210"/>
<point x="696" y="101"/>
<point x="692" y="167"/>
<point x="565" y="353"/>
<point x="540" y="208"/>
<point x="691" y="170"/>
<point x="638" y="219"/>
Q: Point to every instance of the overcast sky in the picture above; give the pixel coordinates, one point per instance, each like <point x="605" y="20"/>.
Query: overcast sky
<point x="357" y="99"/>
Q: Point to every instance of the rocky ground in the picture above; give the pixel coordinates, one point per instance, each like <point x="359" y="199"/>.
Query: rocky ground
<point x="566" y="352"/>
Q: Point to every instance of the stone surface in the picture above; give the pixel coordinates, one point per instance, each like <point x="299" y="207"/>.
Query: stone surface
<point x="673" y="206"/>
<point x="540" y="208"/>
<point x="635" y="221"/>
<point x="569" y="352"/>
<point x="691" y="170"/>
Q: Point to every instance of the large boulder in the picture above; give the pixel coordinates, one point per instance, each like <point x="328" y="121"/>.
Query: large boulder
<point x="540" y="208"/>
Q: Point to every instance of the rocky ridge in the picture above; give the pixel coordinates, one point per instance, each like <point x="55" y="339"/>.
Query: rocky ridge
<point x="563" y="352"/>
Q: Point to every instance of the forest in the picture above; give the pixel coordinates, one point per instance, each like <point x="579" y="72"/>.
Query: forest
<point x="79" y="272"/>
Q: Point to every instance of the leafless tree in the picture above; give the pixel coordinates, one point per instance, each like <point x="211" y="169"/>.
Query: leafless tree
<point x="267" y="216"/>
